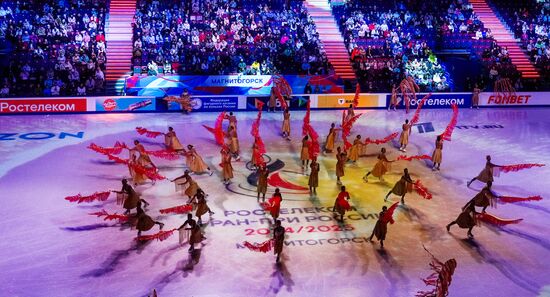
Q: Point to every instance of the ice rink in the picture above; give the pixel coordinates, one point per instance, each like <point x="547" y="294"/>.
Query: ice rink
<point x="51" y="247"/>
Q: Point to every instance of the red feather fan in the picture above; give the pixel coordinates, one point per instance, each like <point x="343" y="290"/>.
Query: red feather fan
<point x="164" y="154"/>
<point x="388" y="215"/>
<point x="150" y="134"/>
<point x="446" y="135"/>
<point x="356" y="97"/>
<point x="255" y="132"/>
<point x="517" y="167"/>
<point x="422" y="190"/>
<point x="346" y="130"/>
<point x="219" y="135"/>
<point x="117" y="159"/>
<point x="160" y="236"/>
<point x="263" y="247"/>
<point x="117" y="149"/>
<point x="307" y="129"/>
<point x="416" y="116"/>
<point x="109" y="217"/>
<point x="417" y="157"/>
<point x="493" y="220"/>
<point x="440" y="279"/>
<point x="281" y="88"/>
<point x="97" y="196"/>
<point x="181" y="209"/>
<point x="151" y="173"/>
<point x="509" y="199"/>
<point x="383" y="140"/>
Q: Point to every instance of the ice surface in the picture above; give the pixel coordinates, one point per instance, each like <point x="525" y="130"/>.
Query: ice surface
<point x="51" y="247"/>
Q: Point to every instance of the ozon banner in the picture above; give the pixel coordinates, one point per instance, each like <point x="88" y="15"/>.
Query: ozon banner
<point x="515" y="99"/>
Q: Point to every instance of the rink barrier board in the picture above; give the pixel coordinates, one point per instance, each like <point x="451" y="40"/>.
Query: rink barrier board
<point x="216" y="103"/>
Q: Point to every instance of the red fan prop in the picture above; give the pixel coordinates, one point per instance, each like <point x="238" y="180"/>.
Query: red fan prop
<point x="97" y="196"/>
<point x="417" y="157"/>
<point x="160" y="236"/>
<point x="422" y="190"/>
<point x="440" y="279"/>
<point x="263" y="247"/>
<point x="494" y="220"/>
<point x="164" y="154"/>
<point x="446" y="135"/>
<point x="255" y="132"/>
<point x="117" y="149"/>
<point x="147" y="133"/>
<point x="281" y="89"/>
<point x="151" y="173"/>
<point x="383" y="140"/>
<point x="346" y="130"/>
<point x="509" y="199"/>
<point x="388" y="215"/>
<point x="109" y="217"/>
<point x="517" y="167"/>
<point x="416" y="115"/>
<point x="219" y="135"/>
<point x="357" y="94"/>
<point x="181" y="209"/>
<point x="307" y="129"/>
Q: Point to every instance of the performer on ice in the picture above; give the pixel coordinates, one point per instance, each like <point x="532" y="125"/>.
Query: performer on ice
<point x="331" y="138"/>
<point x="274" y="204"/>
<point x="144" y="159"/>
<point x="380" y="168"/>
<point x="313" y="181"/>
<point x="226" y="165"/>
<point x="184" y="233"/>
<point x="350" y="114"/>
<point x="232" y="122"/>
<point x="183" y="180"/>
<point x="304" y="153"/>
<point x="404" y="138"/>
<point x="485" y="197"/>
<point x="197" y="165"/>
<point x="466" y="219"/>
<point x="202" y="207"/>
<point x="381" y="228"/>
<point x="437" y="155"/>
<point x="356" y="149"/>
<point x="143" y="221"/>
<point x="233" y="142"/>
<point x="129" y="197"/>
<point x="278" y="239"/>
<point x="171" y="141"/>
<point x="286" y="124"/>
<point x="393" y="100"/>
<point x="261" y="186"/>
<point x="137" y="178"/>
<point x="486" y="175"/>
<point x="341" y="159"/>
<point x="195" y="236"/>
<point x="341" y="205"/>
<point x="402" y="187"/>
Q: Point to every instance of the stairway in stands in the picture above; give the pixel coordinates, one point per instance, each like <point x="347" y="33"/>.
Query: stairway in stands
<point x="119" y="44"/>
<point x="505" y="38"/>
<point x="329" y="33"/>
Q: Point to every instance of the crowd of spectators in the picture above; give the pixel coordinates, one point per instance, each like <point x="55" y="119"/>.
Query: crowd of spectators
<point x="226" y="37"/>
<point x="56" y="47"/>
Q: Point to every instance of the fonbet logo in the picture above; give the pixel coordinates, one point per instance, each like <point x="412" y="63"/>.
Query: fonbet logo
<point x="511" y="99"/>
<point x="341" y="101"/>
<point x="40" y="135"/>
<point x="109" y="104"/>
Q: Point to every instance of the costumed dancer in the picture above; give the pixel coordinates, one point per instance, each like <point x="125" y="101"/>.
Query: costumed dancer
<point x="197" y="165"/>
<point x="195" y="236"/>
<point x="171" y="141"/>
<point x="275" y="204"/>
<point x="145" y="222"/>
<point x="137" y="178"/>
<point x="404" y="137"/>
<point x="466" y="219"/>
<point x="261" y="186"/>
<point x="486" y="175"/>
<point x="341" y="205"/>
<point x="381" y="228"/>
<point x="475" y="97"/>
<point x="393" y="100"/>
<point x="144" y="159"/>
<point x="313" y="181"/>
<point x="272" y="103"/>
<point x="232" y="121"/>
<point x="380" y="168"/>
<point x="356" y="149"/>
<point x="128" y="197"/>
<point x="286" y="124"/>
<point x="181" y="181"/>
<point x="257" y="159"/>
<point x="185" y="101"/>
<point x="341" y="159"/>
<point x="278" y="239"/>
<point x="226" y="165"/>
<point x="485" y="197"/>
<point x="304" y="153"/>
<point x="331" y="138"/>
<point x="234" y="142"/>
<point x="437" y="155"/>
<point x="202" y="207"/>
<point x="184" y="233"/>
<point x="350" y="114"/>
<point x="402" y="187"/>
